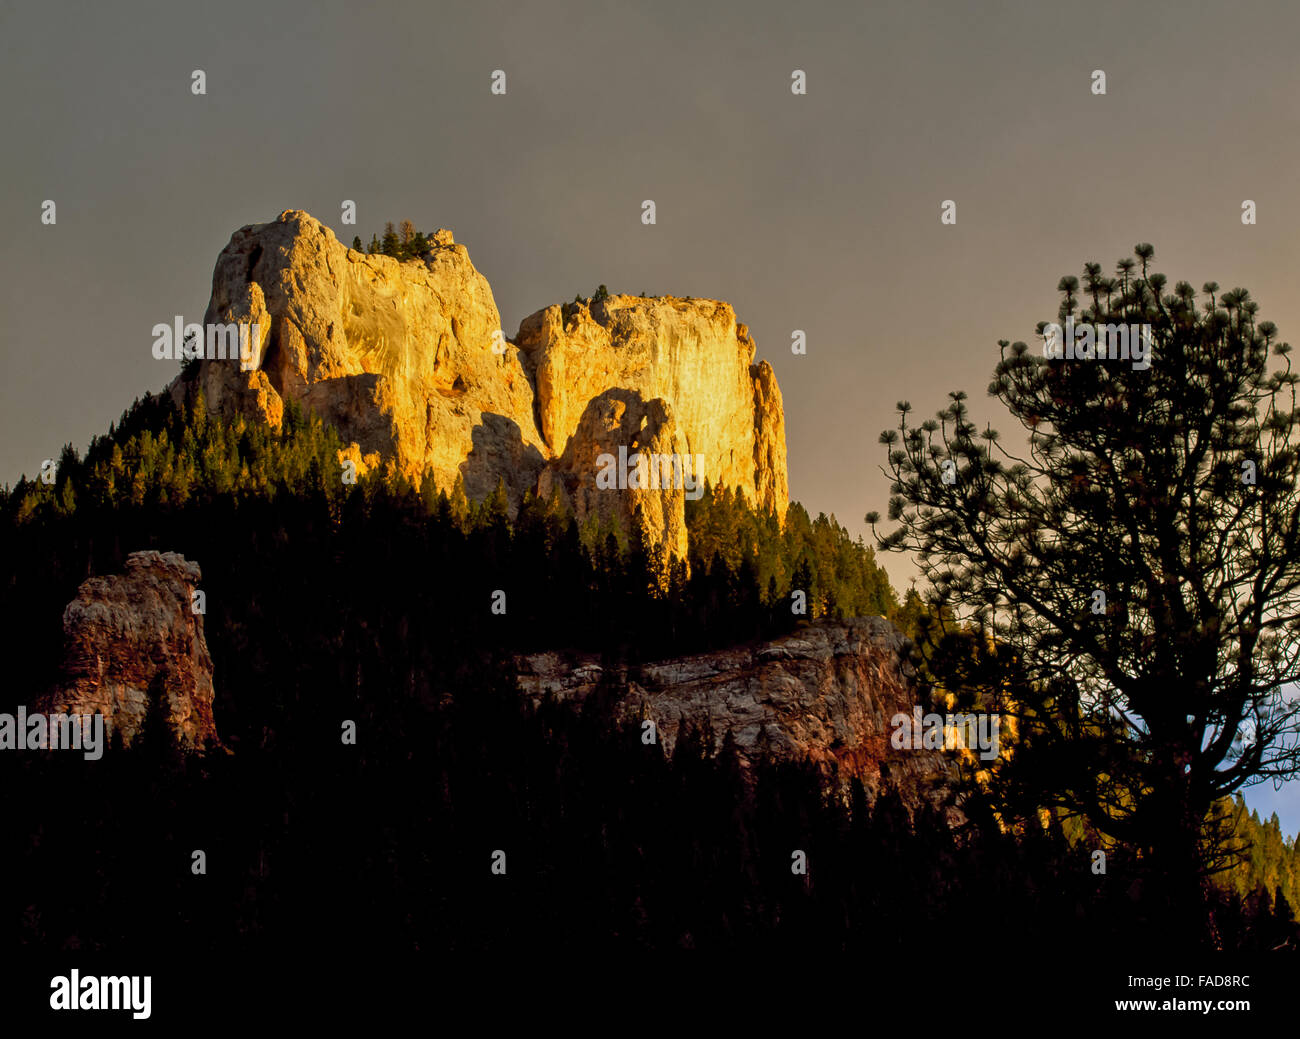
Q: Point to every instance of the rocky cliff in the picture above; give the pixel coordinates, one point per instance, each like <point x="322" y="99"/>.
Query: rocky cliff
<point x="129" y="635"/>
<point x="409" y="362"/>
<point x="826" y="692"/>
<point x="689" y="352"/>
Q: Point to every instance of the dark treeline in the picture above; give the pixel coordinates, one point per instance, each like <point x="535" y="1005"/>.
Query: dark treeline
<point x="287" y="547"/>
<point x="609" y="844"/>
<point x="371" y="603"/>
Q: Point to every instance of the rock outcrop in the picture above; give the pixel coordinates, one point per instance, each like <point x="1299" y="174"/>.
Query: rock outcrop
<point x="688" y="352"/>
<point x="129" y="636"/>
<point x="406" y="360"/>
<point x="826" y="692"/>
<point x="409" y="362"/>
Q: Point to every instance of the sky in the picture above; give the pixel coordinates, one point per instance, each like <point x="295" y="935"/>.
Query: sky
<point x="818" y="212"/>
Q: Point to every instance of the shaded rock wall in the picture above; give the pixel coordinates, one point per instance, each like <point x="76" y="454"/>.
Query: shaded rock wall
<point x="126" y="635"/>
<point x="826" y="692"/>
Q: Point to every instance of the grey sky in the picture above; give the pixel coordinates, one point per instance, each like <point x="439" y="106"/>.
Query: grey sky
<point x="818" y="212"/>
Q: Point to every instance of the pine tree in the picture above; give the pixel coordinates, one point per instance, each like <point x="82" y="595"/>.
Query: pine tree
<point x="392" y="245"/>
<point x="1129" y="473"/>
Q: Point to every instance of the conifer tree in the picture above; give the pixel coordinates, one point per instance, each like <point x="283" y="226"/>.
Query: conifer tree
<point x="392" y="245"/>
<point x="1133" y="576"/>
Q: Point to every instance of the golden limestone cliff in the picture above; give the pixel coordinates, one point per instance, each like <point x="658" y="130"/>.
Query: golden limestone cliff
<point x="409" y="362"/>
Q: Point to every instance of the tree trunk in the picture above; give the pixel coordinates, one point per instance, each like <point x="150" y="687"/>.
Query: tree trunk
<point x="1180" y="903"/>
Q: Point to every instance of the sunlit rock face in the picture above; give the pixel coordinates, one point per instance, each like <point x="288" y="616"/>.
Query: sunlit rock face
<point x="408" y="361"/>
<point x="688" y="352"/>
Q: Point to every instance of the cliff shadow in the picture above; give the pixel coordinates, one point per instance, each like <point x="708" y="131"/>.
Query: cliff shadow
<point x="499" y="452"/>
